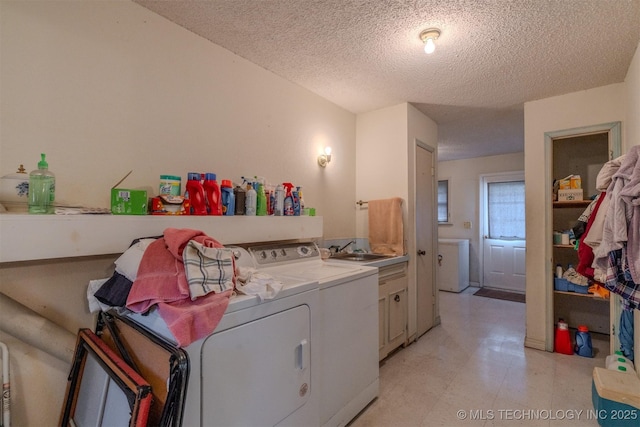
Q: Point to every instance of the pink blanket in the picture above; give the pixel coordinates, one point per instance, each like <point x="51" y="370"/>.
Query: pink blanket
<point x="161" y="280"/>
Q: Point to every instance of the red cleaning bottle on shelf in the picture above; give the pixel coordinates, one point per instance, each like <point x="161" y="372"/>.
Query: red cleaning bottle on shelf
<point x="563" y="339"/>
<point x="212" y="191"/>
<point x="195" y="192"/>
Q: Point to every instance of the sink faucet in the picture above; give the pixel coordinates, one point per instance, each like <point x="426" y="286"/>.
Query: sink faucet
<point x="345" y="246"/>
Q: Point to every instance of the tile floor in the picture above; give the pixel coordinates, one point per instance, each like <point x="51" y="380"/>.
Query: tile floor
<point x="475" y="362"/>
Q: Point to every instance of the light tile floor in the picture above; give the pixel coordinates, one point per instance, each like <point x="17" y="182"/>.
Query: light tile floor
<point x="473" y="370"/>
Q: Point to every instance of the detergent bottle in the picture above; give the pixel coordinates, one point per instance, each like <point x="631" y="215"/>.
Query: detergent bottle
<point x="261" y="205"/>
<point x="212" y="191"/>
<point x="288" y="199"/>
<point x="240" y="196"/>
<point x="562" y="339"/>
<point x="195" y="194"/>
<point x="617" y="356"/>
<point x="583" y="345"/>
<point x="302" y="211"/>
<point x="228" y="198"/>
<point x="278" y="208"/>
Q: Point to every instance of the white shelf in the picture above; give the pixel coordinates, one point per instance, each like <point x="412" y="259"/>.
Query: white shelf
<point x="25" y="237"/>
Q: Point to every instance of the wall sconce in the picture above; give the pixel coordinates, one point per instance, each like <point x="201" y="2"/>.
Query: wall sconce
<point x="325" y="158"/>
<point x="429" y="37"/>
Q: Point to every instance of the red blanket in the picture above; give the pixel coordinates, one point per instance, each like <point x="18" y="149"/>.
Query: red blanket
<point x="161" y="280"/>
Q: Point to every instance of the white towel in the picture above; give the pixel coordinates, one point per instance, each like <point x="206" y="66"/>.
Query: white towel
<point x="94" y="304"/>
<point x="208" y="269"/>
<point x="127" y="264"/>
<point x="262" y="285"/>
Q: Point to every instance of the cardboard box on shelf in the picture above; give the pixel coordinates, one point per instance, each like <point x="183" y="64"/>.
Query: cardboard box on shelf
<point x="125" y="201"/>
<point x="570" y="195"/>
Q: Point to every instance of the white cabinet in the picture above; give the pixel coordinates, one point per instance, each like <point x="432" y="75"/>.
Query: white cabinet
<point x="453" y="264"/>
<point x="392" y="308"/>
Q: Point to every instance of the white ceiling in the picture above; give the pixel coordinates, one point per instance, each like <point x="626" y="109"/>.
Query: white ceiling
<point x="492" y="55"/>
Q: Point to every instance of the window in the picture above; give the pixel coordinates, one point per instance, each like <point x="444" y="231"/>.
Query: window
<point x="443" y="201"/>
<point x="506" y="210"/>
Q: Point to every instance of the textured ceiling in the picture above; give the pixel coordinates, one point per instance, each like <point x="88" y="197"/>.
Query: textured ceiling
<point x="492" y="55"/>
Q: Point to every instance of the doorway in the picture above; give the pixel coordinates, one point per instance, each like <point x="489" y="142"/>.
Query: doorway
<point x="502" y="209"/>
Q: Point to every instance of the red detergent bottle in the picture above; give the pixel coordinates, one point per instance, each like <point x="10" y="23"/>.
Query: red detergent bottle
<point x="563" y="339"/>
<point x="212" y="191"/>
<point x="195" y="193"/>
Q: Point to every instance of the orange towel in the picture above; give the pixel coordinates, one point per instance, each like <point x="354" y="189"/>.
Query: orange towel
<point x="386" y="231"/>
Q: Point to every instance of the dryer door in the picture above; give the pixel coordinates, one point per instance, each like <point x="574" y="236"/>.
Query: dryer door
<point x="257" y="373"/>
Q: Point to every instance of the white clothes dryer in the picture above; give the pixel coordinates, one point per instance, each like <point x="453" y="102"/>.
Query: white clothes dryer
<point x="348" y="325"/>
<point x="260" y="365"/>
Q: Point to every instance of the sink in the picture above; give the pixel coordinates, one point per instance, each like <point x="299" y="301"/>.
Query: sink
<point x="358" y="256"/>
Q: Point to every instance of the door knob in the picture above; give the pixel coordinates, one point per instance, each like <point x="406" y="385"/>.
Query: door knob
<point x="396" y="298"/>
<point x="421" y="252"/>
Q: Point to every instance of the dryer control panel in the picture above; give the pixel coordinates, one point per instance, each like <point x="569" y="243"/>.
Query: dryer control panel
<point x="268" y="255"/>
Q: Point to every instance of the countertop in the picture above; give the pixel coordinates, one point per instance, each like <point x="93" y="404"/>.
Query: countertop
<point x="375" y="263"/>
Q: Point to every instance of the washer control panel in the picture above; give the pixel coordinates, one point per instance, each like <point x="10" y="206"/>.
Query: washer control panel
<point x="284" y="252"/>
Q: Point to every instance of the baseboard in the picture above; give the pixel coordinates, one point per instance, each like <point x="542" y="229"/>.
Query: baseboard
<point x="535" y="344"/>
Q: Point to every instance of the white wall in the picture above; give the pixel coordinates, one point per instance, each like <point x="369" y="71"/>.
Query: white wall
<point x="106" y="87"/>
<point x="464" y="199"/>
<point x="632" y="103"/>
<point x="590" y="107"/>
<point x="632" y="81"/>
<point x="385" y="163"/>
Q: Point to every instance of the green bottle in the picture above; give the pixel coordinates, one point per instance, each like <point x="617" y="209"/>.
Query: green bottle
<point x="261" y="202"/>
<point x="42" y="189"/>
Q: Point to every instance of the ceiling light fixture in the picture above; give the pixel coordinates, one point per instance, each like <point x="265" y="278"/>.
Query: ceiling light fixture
<point x="429" y="37"/>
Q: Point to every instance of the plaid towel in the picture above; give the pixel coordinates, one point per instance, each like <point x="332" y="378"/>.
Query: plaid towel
<point x="208" y="269"/>
<point x="619" y="279"/>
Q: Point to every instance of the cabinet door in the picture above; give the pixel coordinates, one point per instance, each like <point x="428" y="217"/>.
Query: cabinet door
<point x="397" y="289"/>
<point x="382" y="322"/>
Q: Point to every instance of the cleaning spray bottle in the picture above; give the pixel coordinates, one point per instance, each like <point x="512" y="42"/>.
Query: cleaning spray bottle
<point x="296" y="202"/>
<point x="288" y="199"/>
<point x="251" y="198"/>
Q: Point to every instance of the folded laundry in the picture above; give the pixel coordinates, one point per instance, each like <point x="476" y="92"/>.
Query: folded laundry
<point x="262" y="285"/>
<point x="162" y="280"/>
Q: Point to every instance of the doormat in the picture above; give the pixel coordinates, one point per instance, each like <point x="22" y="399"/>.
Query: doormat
<point x="498" y="294"/>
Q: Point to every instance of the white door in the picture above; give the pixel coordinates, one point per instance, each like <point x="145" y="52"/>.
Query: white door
<point x="425" y="238"/>
<point x="504" y="246"/>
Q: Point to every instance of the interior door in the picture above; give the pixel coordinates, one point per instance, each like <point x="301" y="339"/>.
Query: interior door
<point x="504" y="245"/>
<point x="425" y="238"/>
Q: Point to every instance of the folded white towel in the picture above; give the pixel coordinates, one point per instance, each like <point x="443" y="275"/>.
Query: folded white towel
<point x="208" y="269"/>
<point x="262" y="285"/>
<point x="127" y="264"/>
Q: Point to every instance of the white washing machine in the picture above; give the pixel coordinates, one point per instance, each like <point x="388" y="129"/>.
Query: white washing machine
<point x="348" y="318"/>
<point x="260" y="365"/>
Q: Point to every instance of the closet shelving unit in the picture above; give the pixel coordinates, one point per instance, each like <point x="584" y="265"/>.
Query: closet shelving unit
<point x="581" y="155"/>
